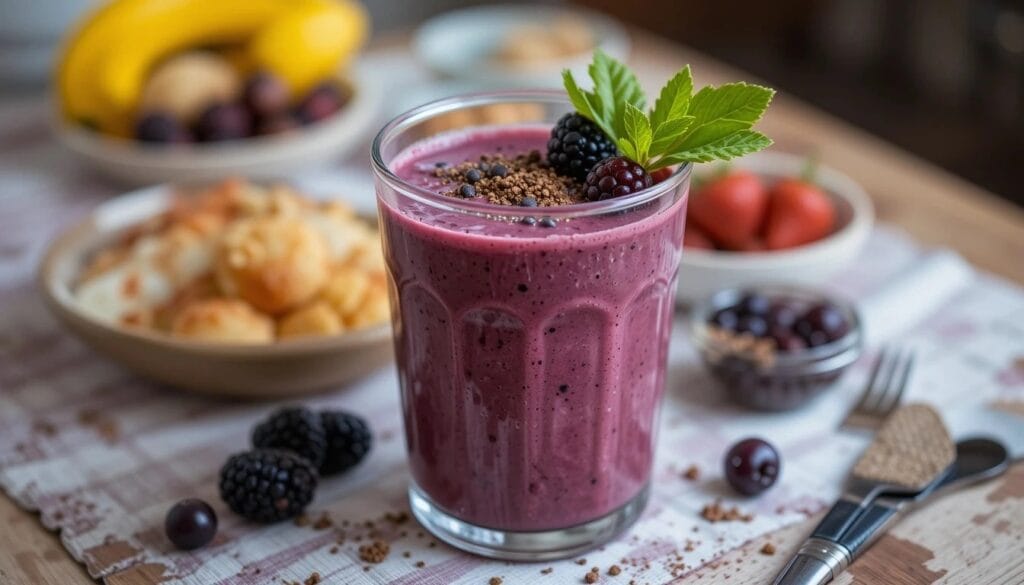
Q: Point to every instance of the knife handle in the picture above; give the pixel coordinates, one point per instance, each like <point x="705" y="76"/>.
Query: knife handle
<point x="843" y="514"/>
<point x="869" y="526"/>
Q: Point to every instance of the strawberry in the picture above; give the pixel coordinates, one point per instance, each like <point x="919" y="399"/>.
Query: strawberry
<point x="730" y="209"/>
<point x="693" y="237"/>
<point x="799" y="213"/>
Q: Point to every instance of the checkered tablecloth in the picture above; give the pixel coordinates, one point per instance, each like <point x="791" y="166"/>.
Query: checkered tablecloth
<point x="102" y="454"/>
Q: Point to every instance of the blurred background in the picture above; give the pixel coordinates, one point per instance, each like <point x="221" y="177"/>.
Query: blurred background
<point x="941" y="78"/>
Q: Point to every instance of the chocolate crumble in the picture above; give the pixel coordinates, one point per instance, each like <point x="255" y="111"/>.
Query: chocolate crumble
<point x="375" y="552"/>
<point x="692" y="473"/>
<point x="524" y="180"/>
<point x="716" y="512"/>
<point x="768" y="549"/>
<point x="614" y="570"/>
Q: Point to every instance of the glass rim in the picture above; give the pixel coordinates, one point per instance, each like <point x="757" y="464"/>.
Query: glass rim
<point x="434" y="108"/>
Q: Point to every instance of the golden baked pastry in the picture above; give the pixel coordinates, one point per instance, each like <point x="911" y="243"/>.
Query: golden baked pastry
<point x="242" y="263"/>
<point x="274" y="263"/>
<point x="223" y="320"/>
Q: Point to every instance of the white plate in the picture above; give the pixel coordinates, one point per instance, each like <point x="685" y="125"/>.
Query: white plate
<point x="458" y="44"/>
<point x="703" y="272"/>
<point x="328" y="141"/>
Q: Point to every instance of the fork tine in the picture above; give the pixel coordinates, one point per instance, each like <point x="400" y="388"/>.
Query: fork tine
<point x="868" y="395"/>
<point x="900" y="381"/>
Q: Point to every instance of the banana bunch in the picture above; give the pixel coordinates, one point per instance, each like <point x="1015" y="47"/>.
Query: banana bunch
<point x="106" y="62"/>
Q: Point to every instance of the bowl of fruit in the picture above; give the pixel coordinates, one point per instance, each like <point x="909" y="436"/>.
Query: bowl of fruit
<point x="773" y="347"/>
<point x="155" y="91"/>
<point x="770" y="217"/>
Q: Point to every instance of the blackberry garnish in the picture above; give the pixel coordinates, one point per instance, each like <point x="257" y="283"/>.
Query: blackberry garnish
<point x="294" y="429"/>
<point x="348" y="441"/>
<point x="616" y="177"/>
<point x="576" y="145"/>
<point x="267" y="485"/>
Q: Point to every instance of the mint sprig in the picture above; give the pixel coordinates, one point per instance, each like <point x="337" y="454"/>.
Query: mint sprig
<point x="713" y="124"/>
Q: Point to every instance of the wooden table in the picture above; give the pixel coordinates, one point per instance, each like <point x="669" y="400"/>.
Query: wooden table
<point x="972" y="537"/>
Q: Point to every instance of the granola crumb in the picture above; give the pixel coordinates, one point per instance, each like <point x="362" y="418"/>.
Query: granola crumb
<point x="397" y="517"/>
<point x="374" y="552"/>
<point x="716" y="512"/>
<point x="591" y="577"/>
<point x="407" y="554"/>
<point x="524" y="175"/>
<point x="546" y="571"/>
<point x="334" y="550"/>
<point x="313" y="579"/>
<point x="614" y="570"/>
<point x="692" y="473"/>
<point x="420" y="564"/>
<point x="494" y="581"/>
<point x="581" y="562"/>
<point x="323" y="522"/>
<point x="768" y="549"/>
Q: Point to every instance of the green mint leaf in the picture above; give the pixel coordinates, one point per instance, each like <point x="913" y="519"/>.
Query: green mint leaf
<point x="615" y="86"/>
<point x="627" y="148"/>
<point x="638" y="131"/>
<point x="728" y="147"/>
<point x="674" y="99"/>
<point x="668" y="133"/>
<point x="733" y="101"/>
<point x="577" y="96"/>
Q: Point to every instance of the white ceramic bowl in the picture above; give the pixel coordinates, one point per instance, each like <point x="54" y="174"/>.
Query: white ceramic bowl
<point x="283" y="369"/>
<point x="458" y="44"/>
<point x="703" y="272"/>
<point x="135" y="163"/>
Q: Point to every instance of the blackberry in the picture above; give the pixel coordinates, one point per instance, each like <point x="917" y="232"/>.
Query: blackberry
<point x="576" y="145"/>
<point x="348" y="441"/>
<point x="267" y="485"/>
<point x="615" y="177"/>
<point x="294" y="429"/>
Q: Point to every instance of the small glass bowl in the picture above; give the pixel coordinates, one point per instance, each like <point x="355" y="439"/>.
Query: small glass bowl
<point x="757" y="375"/>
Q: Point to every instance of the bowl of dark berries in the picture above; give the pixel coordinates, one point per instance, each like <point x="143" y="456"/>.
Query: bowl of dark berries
<point x="775" y="348"/>
<point x="257" y="130"/>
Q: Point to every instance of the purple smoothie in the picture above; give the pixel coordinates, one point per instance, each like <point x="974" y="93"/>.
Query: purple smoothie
<point x="531" y="359"/>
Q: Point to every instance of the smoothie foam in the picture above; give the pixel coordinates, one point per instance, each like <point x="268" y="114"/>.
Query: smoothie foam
<point x="531" y="359"/>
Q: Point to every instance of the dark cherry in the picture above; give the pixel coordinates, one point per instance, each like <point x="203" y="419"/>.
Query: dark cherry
<point x="752" y="466"/>
<point x="191" y="524"/>
<point x="782" y="314"/>
<point x="786" y="340"/>
<point x="224" y="122"/>
<point x="827" y="319"/>
<point x="753" y="325"/>
<point x="160" y="127"/>
<point x="755" y="304"/>
<point x="726" y="319"/>
<point x="265" y="94"/>
<point x="321" y="103"/>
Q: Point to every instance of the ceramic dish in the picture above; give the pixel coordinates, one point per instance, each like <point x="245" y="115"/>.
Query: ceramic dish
<point x="275" y="370"/>
<point x="136" y="163"/>
<point x="459" y="44"/>
<point x="703" y="272"/>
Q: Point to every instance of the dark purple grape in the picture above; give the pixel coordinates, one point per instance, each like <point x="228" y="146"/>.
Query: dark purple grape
<point x="782" y="314"/>
<point x="786" y="340"/>
<point x="754" y="304"/>
<point x="265" y="95"/>
<point x="726" y="319"/>
<point x="161" y="127"/>
<point x="191" y="524"/>
<point x="827" y="319"/>
<point x="752" y="466"/>
<point x="278" y="124"/>
<point x="320" y="103"/>
<point x="816" y="338"/>
<point x="224" y="122"/>
<point x="753" y="325"/>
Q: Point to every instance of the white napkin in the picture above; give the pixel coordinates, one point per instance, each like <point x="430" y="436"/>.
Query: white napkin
<point x="904" y="301"/>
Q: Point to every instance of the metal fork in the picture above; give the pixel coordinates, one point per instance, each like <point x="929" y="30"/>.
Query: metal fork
<point x="884" y="390"/>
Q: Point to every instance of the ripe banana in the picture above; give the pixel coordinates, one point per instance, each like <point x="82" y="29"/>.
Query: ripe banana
<point x="103" y="67"/>
<point x="309" y="44"/>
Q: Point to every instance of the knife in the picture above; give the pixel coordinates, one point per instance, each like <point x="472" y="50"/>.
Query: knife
<point x="819" y="561"/>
